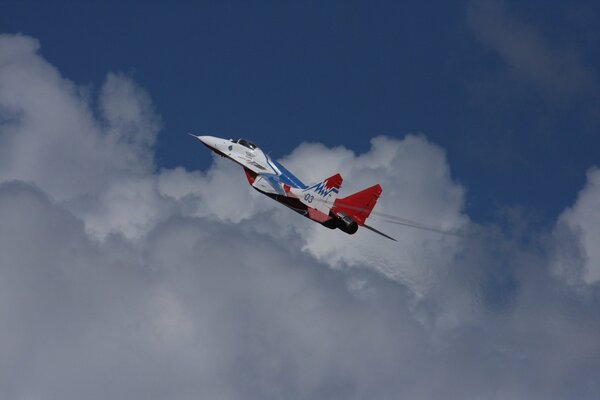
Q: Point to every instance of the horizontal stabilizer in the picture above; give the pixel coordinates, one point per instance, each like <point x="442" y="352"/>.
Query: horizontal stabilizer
<point x="379" y="232"/>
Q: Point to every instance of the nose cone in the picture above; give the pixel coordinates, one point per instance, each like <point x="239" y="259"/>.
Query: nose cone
<point x="214" y="143"/>
<point x="208" y="140"/>
<point x="204" y="139"/>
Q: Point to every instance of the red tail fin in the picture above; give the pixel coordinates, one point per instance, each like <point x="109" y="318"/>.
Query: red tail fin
<point x="360" y="204"/>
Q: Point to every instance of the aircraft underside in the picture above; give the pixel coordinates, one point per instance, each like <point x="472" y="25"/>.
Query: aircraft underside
<point x="329" y="221"/>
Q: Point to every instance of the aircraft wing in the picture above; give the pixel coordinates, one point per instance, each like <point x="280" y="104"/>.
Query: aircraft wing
<point x="256" y="162"/>
<point x="268" y="183"/>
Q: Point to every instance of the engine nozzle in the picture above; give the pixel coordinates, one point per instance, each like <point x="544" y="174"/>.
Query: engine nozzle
<point x="345" y="223"/>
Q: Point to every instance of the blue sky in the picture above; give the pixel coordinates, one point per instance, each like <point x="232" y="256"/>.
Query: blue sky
<point x="135" y="264"/>
<point x="340" y="73"/>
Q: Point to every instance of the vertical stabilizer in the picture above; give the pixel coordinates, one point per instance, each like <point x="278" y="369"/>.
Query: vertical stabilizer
<point x="321" y="195"/>
<point x="360" y="204"/>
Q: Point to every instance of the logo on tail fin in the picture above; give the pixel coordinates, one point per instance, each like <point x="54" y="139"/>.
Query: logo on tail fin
<point x="321" y="195"/>
<point x="322" y="189"/>
<point x="327" y="186"/>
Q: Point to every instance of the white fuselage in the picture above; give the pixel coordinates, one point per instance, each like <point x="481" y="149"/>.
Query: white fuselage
<point x="269" y="176"/>
<point x="249" y="156"/>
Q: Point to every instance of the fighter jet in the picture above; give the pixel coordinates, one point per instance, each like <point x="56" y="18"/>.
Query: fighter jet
<point x="318" y="201"/>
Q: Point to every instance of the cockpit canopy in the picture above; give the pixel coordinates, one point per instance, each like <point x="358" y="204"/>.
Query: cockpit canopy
<point x="245" y="143"/>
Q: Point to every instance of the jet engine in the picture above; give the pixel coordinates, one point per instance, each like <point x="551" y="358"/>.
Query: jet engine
<point x="345" y="223"/>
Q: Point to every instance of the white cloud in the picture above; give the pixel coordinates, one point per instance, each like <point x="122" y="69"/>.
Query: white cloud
<point x="53" y="138"/>
<point x="416" y="183"/>
<point x="577" y="235"/>
<point x="122" y="282"/>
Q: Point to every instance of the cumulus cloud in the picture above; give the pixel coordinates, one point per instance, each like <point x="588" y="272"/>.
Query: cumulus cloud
<point x="121" y="281"/>
<point x="417" y="183"/>
<point x="578" y="233"/>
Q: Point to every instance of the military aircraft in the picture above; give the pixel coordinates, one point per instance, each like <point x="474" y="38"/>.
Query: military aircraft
<point x="318" y="201"/>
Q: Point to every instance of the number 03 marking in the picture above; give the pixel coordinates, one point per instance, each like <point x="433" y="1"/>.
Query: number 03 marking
<point x="309" y="197"/>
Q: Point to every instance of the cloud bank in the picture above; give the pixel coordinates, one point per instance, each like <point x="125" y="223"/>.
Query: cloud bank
<point x="119" y="280"/>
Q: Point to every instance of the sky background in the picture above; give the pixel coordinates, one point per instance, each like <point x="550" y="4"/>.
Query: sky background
<point x="510" y="90"/>
<point x="135" y="264"/>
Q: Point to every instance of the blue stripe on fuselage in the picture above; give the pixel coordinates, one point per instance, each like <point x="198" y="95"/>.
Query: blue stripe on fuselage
<point x="287" y="177"/>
